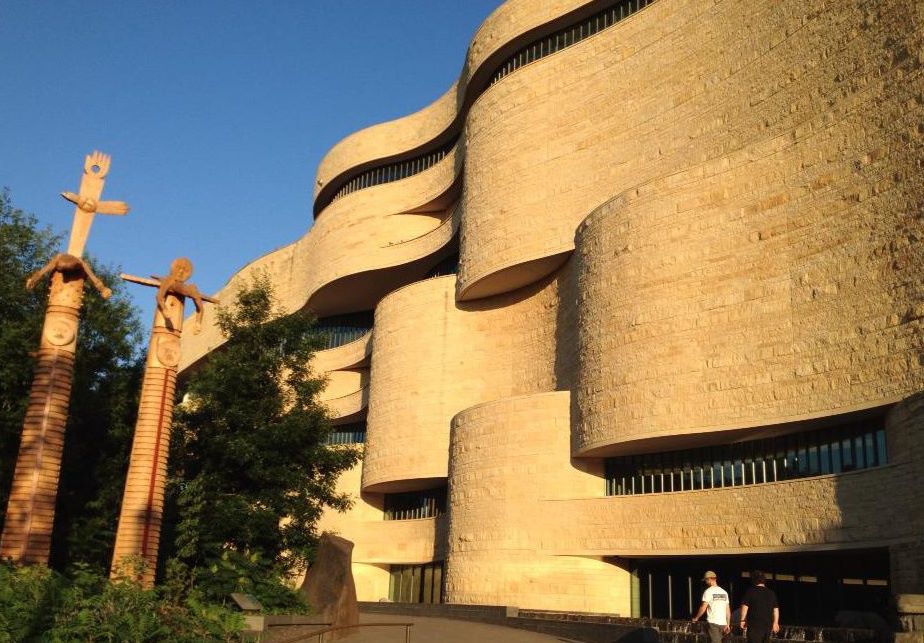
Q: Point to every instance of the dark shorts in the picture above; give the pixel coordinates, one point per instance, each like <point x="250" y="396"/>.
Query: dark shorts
<point x="715" y="632"/>
<point x="758" y="634"/>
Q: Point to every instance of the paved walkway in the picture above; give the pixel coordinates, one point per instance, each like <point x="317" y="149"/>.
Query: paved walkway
<point x="433" y="630"/>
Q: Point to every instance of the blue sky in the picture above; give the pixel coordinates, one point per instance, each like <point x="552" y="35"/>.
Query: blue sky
<point x="216" y="114"/>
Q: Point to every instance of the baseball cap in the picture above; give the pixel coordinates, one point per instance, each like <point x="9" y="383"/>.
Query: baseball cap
<point x="709" y="575"/>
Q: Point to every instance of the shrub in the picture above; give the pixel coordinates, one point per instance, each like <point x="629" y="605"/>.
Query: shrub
<point x="236" y="572"/>
<point x="125" y="612"/>
<point x="28" y="597"/>
<point x="37" y="604"/>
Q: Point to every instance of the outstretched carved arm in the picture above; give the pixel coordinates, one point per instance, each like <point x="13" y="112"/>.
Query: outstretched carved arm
<point x="166" y="285"/>
<point x="104" y="292"/>
<point x="64" y="262"/>
<point x="36" y="276"/>
<point x="200" y="312"/>
<point x="191" y="291"/>
<point x="172" y="285"/>
<point x="91" y="205"/>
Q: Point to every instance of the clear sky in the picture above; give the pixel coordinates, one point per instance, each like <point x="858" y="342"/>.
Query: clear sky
<point x="216" y="114"/>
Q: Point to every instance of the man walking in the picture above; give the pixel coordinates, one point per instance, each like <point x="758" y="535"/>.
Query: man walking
<point x="760" y="612"/>
<point x="717" y="608"/>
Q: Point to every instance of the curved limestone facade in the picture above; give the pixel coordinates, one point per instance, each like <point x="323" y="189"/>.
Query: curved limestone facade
<point x="648" y="294"/>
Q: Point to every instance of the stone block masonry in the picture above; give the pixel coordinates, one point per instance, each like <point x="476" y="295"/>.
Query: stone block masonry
<point x="699" y="226"/>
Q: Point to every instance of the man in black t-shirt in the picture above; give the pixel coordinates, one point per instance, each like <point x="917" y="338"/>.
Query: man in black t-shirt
<point x="760" y="613"/>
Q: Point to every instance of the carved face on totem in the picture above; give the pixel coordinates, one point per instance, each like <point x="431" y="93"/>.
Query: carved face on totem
<point x="181" y="269"/>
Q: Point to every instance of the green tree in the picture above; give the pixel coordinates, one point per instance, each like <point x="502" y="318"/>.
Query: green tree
<point x="107" y="374"/>
<point x="251" y="467"/>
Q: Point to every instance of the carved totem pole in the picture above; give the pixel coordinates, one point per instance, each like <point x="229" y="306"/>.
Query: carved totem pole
<point x="31" y="509"/>
<point x="138" y="535"/>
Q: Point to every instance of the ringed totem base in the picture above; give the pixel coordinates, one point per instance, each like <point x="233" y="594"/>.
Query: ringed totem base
<point x="138" y="535"/>
<point x="31" y="509"/>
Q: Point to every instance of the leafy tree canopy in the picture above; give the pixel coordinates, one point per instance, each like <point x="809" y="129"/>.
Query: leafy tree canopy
<point x="250" y="462"/>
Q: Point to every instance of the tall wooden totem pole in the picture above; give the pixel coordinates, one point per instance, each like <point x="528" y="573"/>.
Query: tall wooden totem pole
<point x="138" y="535"/>
<point x="31" y="509"/>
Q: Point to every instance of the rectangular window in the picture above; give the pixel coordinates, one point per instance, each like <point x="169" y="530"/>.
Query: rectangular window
<point x="812" y="453"/>
<point x="414" y="505"/>
<point x="859" y="451"/>
<point x="836" y="456"/>
<point x="881" y="455"/>
<point x="814" y="467"/>
<point x="847" y="455"/>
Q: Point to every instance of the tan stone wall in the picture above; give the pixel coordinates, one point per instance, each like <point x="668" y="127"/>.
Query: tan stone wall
<point x="353" y="525"/>
<point x="509" y="462"/>
<point x="777" y="282"/>
<point x="346" y="393"/>
<point x="433" y="357"/>
<point x="757" y="260"/>
<point x="351" y="354"/>
<point x="497" y="35"/>
<point x="404" y="542"/>
<point x="194" y="346"/>
<point x="367" y="508"/>
<point x="379" y="543"/>
<point x="344" y="382"/>
<point x="872" y="507"/>
<point x="907" y="558"/>
<point x="831" y="95"/>
<point x="359" y="238"/>
<point x="779" y="278"/>
<point x="368" y="230"/>
<point x="833" y="511"/>
<point x="371" y="581"/>
<point x="387" y="139"/>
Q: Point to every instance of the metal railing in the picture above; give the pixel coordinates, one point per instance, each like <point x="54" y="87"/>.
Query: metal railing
<point x="320" y="633"/>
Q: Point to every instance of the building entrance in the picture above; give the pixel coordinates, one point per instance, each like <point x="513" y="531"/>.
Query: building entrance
<point x="811" y="587"/>
<point x="416" y="583"/>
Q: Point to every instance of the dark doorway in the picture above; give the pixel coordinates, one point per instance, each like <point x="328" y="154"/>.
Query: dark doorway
<point x="416" y="583"/>
<point x="812" y="587"/>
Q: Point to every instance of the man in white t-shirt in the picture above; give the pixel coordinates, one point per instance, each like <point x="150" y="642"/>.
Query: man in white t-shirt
<point x="717" y="607"/>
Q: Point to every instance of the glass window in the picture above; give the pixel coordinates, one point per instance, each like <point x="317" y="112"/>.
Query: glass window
<point x="819" y="452"/>
<point x="847" y="455"/>
<point x="881" y="454"/>
<point x="859" y="452"/>
<point x="414" y="505"/>
<point x="354" y="433"/>
<point x="814" y="467"/>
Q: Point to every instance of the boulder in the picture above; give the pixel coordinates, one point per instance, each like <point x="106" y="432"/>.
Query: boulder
<point x="329" y="588"/>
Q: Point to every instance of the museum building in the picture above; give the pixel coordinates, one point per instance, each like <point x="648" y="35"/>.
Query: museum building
<point x="641" y="295"/>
